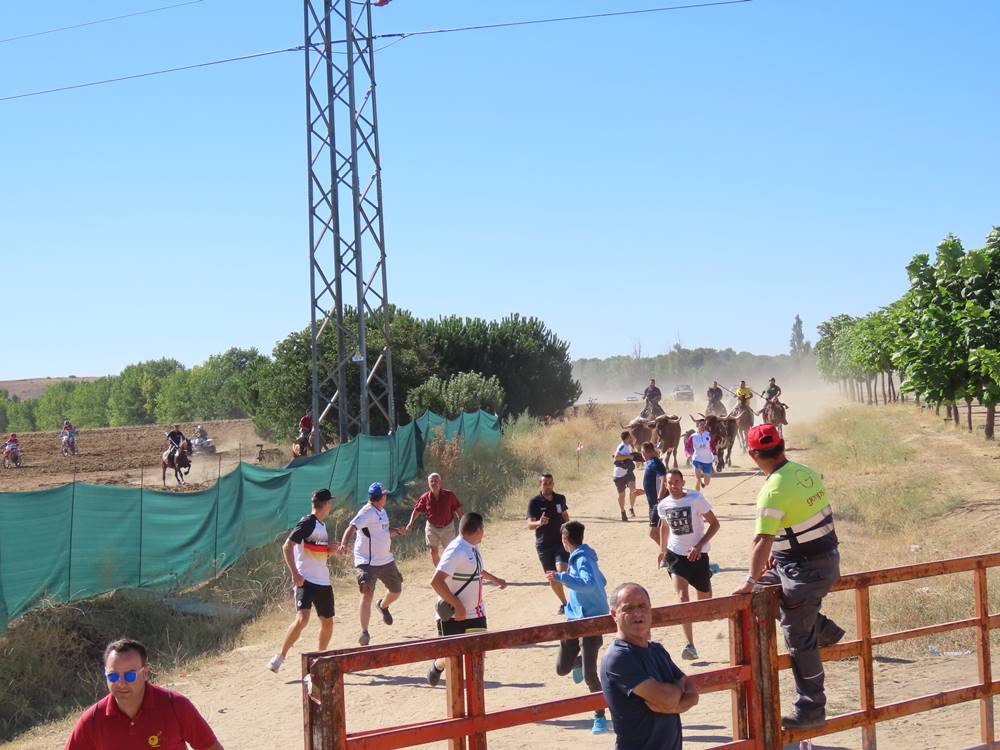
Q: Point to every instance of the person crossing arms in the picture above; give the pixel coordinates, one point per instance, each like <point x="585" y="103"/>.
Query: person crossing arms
<point x="795" y="532"/>
<point x="684" y="545"/>
<point x="373" y="558"/>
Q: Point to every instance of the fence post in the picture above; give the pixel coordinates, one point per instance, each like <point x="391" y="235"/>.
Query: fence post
<point x="739" y="696"/>
<point x="986" y="729"/>
<point x="72" y="514"/>
<point x="764" y="607"/>
<point x="323" y="699"/>
<point x="863" y="621"/>
<point x="475" y="695"/>
<point x="141" y="483"/>
<point x="455" y="696"/>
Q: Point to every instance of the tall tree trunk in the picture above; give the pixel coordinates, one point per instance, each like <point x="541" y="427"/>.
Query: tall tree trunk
<point x="885" y="399"/>
<point x="954" y="413"/>
<point x="991" y="415"/>
<point x="947" y="412"/>
<point x="968" y="412"/>
<point x="850" y="389"/>
<point x="868" y="390"/>
<point x="937" y="410"/>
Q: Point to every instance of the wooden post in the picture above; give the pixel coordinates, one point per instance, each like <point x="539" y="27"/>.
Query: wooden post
<point x="765" y="608"/>
<point x="326" y="719"/>
<point x="455" y="696"/>
<point x="986" y="728"/>
<point x="863" y="620"/>
<point x="738" y="697"/>
<point x="475" y="694"/>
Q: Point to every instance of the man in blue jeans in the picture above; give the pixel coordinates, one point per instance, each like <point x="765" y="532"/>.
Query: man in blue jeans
<point x="587" y="598"/>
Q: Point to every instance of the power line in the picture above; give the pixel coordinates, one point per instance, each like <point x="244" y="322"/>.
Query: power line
<point x="208" y="64"/>
<point x="397" y="36"/>
<point x="99" y="21"/>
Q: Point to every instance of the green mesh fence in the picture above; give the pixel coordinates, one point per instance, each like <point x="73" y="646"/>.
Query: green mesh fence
<point x="79" y="540"/>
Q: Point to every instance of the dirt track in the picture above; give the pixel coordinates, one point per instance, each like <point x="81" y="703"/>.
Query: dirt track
<point x="251" y="708"/>
<point x="123" y="455"/>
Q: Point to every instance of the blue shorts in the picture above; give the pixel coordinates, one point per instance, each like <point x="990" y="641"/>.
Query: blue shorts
<point x="703" y="467"/>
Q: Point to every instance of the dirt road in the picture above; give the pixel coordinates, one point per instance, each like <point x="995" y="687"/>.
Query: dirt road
<point x="249" y="707"/>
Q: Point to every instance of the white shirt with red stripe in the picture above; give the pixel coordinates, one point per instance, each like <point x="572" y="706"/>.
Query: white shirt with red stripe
<point x="312" y="546"/>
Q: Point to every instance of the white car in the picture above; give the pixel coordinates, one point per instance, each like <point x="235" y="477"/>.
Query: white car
<point x="682" y="393"/>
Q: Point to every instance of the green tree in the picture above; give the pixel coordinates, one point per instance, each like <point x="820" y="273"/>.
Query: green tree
<point x="173" y="400"/>
<point x="132" y="399"/>
<point x="89" y="404"/>
<point x="20" y="415"/>
<point x="797" y="344"/>
<point x="462" y="392"/>
<point x="54" y="405"/>
<point x="428" y="396"/>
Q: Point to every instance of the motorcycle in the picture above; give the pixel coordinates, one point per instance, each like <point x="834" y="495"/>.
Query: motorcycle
<point x="11" y="457"/>
<point x="202" y="445"/>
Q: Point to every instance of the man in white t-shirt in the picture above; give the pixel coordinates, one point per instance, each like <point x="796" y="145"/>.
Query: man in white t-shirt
<point x="703" y="455"/>
<point x="305" y="552"/>
<point x="684" y="544"/>
<point x="458" y="581"/>
<point x="373" y="558"/>
<point x="623" y="475"/>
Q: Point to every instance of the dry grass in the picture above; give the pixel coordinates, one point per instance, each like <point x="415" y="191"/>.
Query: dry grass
<point x="904" y="491"/>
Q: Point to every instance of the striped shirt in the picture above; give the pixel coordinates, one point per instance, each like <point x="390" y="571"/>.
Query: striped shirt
<point x="461" y="561"/>
<point x="793" y="507"/>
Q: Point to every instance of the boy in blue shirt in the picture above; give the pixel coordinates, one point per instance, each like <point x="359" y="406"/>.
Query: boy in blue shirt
<point x="587" y="598"/>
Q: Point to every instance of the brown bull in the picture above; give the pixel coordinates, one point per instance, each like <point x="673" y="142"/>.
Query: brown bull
<point x="723" y="431"/>
<point x="664" y="432"/>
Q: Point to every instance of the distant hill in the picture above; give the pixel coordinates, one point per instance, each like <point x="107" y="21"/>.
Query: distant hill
<point x="35" y="387"/>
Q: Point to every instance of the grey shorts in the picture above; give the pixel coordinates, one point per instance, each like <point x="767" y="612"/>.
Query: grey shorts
<point x="388" y="574"/>
<point x="439" y="536"/>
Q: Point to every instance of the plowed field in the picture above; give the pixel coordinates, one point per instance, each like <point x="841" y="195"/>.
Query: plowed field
<point x="125" y="455"/>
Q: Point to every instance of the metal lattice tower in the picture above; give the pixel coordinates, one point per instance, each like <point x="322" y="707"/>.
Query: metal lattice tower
<point x="346" y="233"/>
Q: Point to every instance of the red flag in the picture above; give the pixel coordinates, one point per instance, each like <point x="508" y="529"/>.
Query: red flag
<point x="579" y="446"/>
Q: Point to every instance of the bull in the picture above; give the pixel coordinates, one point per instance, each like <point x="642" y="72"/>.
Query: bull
<point x="664" y="432"/>
<point x="723" y="431"/>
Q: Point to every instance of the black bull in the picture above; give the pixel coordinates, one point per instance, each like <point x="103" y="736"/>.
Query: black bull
<point x="723" y="431"/>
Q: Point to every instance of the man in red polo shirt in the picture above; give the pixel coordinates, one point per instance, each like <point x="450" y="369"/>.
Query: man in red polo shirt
<point x="137" y="714"/>
<point x="442" y="508"/>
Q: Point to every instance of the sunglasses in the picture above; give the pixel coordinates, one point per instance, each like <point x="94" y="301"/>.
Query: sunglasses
<point x="129" y="676"/>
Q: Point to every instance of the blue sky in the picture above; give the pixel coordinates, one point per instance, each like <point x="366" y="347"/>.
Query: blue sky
<point x="705" y="174"/>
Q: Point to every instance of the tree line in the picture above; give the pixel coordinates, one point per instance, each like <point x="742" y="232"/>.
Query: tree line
<point x="940" y="340"/>
<point x="510" y="366"/>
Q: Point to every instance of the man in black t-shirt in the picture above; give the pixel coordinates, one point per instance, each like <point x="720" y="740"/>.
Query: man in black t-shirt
<point x="546" y="515"/>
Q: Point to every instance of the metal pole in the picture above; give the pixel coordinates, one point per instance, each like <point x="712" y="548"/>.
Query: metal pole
<point x="72" y="514"/>
<point x="218" y="496"/>
<point x="141" y="483"/>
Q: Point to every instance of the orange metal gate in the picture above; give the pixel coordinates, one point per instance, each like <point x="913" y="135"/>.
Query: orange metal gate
<point x="751" y="676"/>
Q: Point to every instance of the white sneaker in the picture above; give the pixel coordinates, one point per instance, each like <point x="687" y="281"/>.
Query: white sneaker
<point x="689" y="652"/>
<point x="276" y="661"/>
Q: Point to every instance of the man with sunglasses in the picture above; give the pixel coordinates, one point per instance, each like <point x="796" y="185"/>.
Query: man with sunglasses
<point x="136" y="713"/>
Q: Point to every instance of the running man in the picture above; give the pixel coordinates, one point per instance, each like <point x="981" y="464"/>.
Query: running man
<point x="623" y="475"/>
<point x="703" y="456"/>
<point x="458" y="581"/>
<point x="587" y="598"/>
<point x="654" y="487"/>
<point x="441" y="507"/>
<point x="684" y="545"/>
<point x="547" y="512"/>
<point x="305" y="551"/>
<point x="373" y="559"/>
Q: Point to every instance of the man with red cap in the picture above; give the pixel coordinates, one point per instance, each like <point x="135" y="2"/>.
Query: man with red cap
<point x="796" y="546"/>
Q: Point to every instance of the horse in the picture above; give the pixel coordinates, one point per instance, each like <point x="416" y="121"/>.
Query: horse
<point x="715" y="407"/>
<point x="774" y="413"/>
<point x="743" y="415"/>
<point x="301" y="445"/>
<point x="177" y="461"/>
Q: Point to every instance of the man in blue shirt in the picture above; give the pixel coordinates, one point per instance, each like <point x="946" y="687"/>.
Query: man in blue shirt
<point x="645" y="690"/>
<point x="653" y="487"/>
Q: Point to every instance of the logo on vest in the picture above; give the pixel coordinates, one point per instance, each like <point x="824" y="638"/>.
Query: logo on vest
<point x="805" y="479"/>
<point x="154" y="739"/>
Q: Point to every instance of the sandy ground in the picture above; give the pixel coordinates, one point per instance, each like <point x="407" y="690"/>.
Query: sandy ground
<point x="249" y="707"/>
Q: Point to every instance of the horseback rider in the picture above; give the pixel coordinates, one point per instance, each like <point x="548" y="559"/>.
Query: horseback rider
<point x="715" y="405"/>
<point x="743" y="394"/>
<point x="175" y="438"/>
<point x="11" y="442"/>
<point x="652" y="395"/>
<point x="306" y="424"/>
<point x="772" y="392"/>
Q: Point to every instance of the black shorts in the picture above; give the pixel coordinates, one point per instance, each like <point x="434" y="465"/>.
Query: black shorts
<point x="697" y="573"/>
<point x="458" y="627"/>
<point x="549" y="556"/>
<point x="310" y="595"/>
<point x="654" y="517"/>
<point x="622" y="483"/>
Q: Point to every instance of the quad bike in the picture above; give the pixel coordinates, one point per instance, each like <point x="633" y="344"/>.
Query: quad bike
<point x="202" y="445"/>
